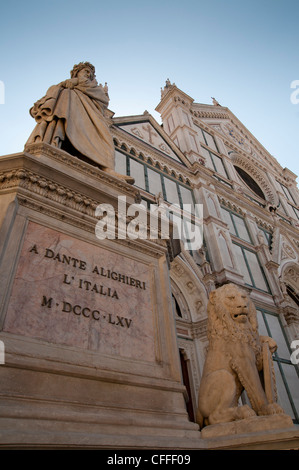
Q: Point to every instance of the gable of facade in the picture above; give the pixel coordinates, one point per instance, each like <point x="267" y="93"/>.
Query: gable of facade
<point x="148" y="131"/>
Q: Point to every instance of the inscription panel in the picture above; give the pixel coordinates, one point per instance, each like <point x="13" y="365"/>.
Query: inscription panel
<point x="68" y="291"/>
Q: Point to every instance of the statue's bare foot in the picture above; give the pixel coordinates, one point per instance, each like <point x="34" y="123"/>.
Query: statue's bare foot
<point x="128" y="179"/>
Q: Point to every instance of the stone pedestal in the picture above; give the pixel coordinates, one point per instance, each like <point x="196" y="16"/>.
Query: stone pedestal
<point x="276" y="432"/>
<point x="91" y="358"/>
<point x="256" y="424"/>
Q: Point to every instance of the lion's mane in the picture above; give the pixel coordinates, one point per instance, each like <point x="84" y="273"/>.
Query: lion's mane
<point x="221" y="326"/>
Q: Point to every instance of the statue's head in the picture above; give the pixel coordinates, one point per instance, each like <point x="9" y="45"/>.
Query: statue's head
<point x="231" y="311"/>
<point x="83" y="65"/>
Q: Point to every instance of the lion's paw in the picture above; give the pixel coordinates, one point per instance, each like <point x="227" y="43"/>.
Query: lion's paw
<point x="270" y="409"/>
<point x="244" y="412"/>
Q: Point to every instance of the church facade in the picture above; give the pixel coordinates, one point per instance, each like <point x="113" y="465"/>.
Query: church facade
<point x="202" y="154"/>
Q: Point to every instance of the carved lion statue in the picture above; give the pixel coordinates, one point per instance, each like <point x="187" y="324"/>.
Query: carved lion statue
<point x="235" y="360"/>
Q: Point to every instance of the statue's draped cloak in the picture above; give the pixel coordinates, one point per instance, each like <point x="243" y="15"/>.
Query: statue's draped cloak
<point x="81" y="109"/>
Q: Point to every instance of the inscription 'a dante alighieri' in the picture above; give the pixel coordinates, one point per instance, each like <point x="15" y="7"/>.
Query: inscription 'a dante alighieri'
<point x="119" y="277"/>
<point x="76" y="263"/>
<point x="88" y="285"/>
<point x="82" y="265"/>
<point x="69" y="291"/>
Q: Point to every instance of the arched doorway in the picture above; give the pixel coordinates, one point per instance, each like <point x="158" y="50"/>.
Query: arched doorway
<point x="190" y="299"/>
<point x="186" y="381"/>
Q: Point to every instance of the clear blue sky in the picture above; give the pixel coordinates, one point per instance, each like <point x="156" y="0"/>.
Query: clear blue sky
<point x="245" y="54"/>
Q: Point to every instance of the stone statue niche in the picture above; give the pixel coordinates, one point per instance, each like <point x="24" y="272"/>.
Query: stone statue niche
<point x="237" y="359"/>
<point x="72" y="117"/>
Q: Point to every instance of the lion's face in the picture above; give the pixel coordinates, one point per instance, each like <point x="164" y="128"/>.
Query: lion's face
<point x="232" y="315"/>
<point x="232" y="303"/>
<point x="236" y="303"/>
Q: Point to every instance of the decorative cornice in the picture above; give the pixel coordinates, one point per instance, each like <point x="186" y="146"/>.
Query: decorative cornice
<point x="52" y="199"/>
<point x="210" y="114"/>
<point x="264" y="224"/>
<point x="42" y="149"/>
<point x="32" y="183"/>
<point x="199" y="329"/>
<point x="71" y="218"/>
<point x="230" y="205"/>
<point x="152" y="158"/>
<point x="291" y="315"/>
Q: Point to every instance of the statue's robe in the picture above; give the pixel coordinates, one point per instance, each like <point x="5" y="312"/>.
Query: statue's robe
<point x="78" y="114"/>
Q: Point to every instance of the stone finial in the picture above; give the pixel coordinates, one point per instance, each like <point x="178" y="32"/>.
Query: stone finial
<point x="215" y="102"/>
<point x="167" y="87"/>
